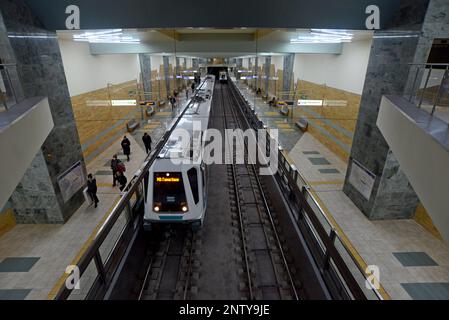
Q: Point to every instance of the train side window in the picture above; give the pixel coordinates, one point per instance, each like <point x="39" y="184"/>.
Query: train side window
<point x="192" y="174"/>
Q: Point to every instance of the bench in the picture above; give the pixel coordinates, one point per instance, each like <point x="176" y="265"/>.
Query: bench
<point x="150" y="111"/>
<point x="132" y="125"/>
<point x="302" y="124"/>
<point x="284" y="110"/>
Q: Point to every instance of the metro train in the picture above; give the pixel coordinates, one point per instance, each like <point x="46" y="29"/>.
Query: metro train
<point x="223" y="76"/>
<point x="176" y="190"/>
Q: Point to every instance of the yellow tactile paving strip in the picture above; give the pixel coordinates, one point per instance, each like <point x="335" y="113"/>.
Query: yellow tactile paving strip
<point x="316" y="183"/>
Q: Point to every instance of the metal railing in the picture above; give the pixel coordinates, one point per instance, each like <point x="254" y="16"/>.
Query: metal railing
<point x="430" y="88"/>
<point x="338" y="266"/>
<point x="101" y="260"/>
<point x="8" y="95"/>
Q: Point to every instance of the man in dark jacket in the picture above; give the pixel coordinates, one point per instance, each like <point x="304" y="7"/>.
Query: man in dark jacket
<point x="115" y="167"/>
<point x="147" y="142"/>
<point x="121" y="178"/>
<point x="92" y="189"/>
<point x="126" y="146"/>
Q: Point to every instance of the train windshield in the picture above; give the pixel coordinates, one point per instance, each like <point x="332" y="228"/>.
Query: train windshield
<point x="168" y="193"/>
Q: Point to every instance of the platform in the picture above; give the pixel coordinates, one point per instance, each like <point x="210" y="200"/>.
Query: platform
<point x="33" y="258"/>
<point x="413" y="263"/>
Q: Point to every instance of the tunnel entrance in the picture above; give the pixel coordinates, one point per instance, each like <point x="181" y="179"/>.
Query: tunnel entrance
<point x="216" y="70"/>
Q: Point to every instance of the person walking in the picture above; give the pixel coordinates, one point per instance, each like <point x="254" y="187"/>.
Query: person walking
<point x="126" y="146"/>
<point x="172" y="102"/>
<point x="147" y="142"/>
<point x="115" y="166"/>
<point x="92" y="189"/>
<point x="121" y="178"/>
<point x="187" y="94"/>
<point x="193" y="87"/>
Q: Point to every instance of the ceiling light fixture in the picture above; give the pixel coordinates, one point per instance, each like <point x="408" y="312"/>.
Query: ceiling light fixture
<point x="323" y="36"/>
<point x="106" y="36"/>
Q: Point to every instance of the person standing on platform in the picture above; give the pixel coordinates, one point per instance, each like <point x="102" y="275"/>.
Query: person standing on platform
<point x="92" y="189"/>
<point x="121" y="178"/>
<point x="115" y="166"/>
<point x="172" y="102"/>
<point x="193" y="87"/>
<point x="147" y="142"/>
<point x="187" y="94"/>
<point x="126" y="146"/>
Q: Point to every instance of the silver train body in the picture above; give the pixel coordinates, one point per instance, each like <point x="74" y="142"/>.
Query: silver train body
<point x="223" y="76"/>
<point x="177" y="186"/>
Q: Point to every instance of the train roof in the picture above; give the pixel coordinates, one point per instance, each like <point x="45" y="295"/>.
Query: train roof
<point x="197" y="113"/>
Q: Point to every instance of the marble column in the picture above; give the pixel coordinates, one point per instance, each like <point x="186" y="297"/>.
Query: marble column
<point x="38" y="197"/>
<point x="145" y="69"/>
<point x="166" y="60"/>
<point x="239" y="62"/>
<point x="195" y="63"/>
<point x="408" y="40"/>
<point x="267" y="68"/>
<point x="289" y="60"/>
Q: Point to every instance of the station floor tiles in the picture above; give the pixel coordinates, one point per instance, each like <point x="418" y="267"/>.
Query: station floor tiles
<point x="33" y="258"/>
<point x="413" y="264"/>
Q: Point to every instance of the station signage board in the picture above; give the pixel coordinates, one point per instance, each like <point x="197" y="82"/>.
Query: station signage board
<point x="123" y="103"/>
<point x="310" y="103"/>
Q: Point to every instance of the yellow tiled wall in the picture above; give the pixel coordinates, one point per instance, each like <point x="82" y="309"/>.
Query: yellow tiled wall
<point x="7" y="221"/>
<point x="423" y="218"/>
<point x="92" y="121"/>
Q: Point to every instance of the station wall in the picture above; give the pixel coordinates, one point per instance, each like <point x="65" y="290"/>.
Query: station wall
<point x="86" y="72"/>
<point x="345" y="71"/>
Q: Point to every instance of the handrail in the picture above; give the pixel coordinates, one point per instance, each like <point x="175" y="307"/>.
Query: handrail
<point x="429" y="64"/>
<point x="132" y="187"/>
<point x="329" y="243"/>
<point x="12" y="94"/>
<point x="418" y="89"/>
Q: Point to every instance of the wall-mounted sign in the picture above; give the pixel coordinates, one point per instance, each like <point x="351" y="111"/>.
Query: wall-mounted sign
<point x="335" y="103"/>
<point x="98" y="103"/>
<point x="71" y="181"/>
<point x="123" y="103"/>
<point x="303" y="102"/>
<point x="361" y="179"/>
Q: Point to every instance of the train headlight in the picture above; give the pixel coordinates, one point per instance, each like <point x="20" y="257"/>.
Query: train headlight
<point x="184" y="209"/>
<point x="156" y="208"/>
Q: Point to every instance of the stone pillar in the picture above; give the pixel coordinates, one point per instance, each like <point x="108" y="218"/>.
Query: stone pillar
<point x="408" y="40"/>
<point x="145" y="69"/>
<point x="267" y="68"/>
<point x="239" y="62"/>
<point x="195" y="63"/>
<point x="38" y="197"/>
<point x="289" y="60"/>
<point x="166" y="60"/>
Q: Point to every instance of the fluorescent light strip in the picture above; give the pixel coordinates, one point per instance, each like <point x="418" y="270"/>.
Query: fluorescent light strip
<point x="107" y="36"/>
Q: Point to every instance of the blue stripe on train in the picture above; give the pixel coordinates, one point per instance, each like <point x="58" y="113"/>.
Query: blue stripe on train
<point x="170" y="217"/>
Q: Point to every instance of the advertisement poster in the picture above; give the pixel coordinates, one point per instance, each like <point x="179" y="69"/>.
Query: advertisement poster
<point x="362" y="179"/>
<point x="71" y="181"/>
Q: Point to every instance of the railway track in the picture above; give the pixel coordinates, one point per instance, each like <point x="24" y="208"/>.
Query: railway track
<point x="267" y="273"/>
<point x="169" y="272"/>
